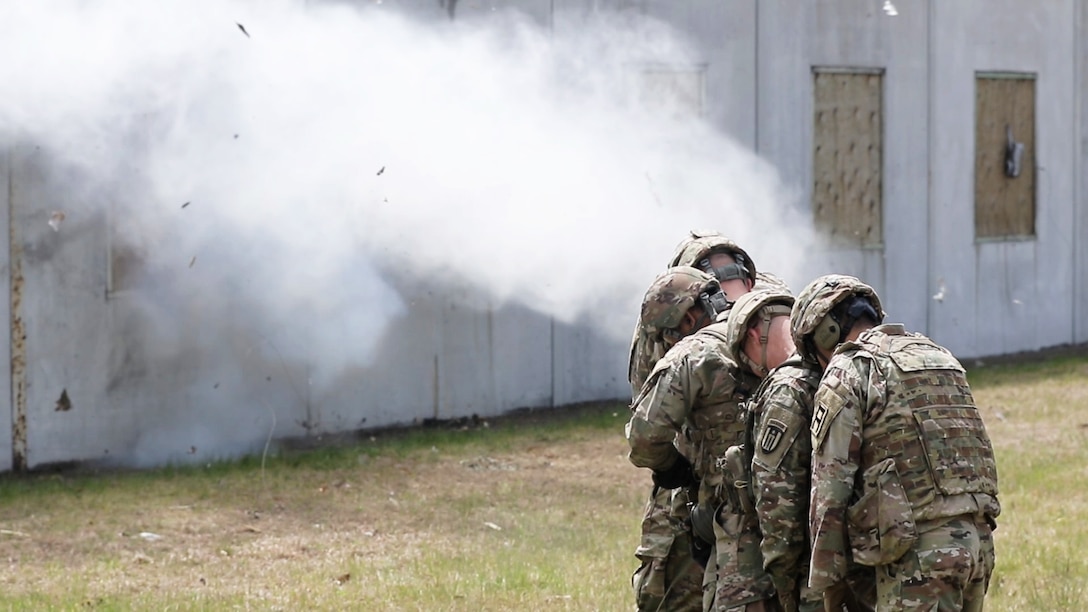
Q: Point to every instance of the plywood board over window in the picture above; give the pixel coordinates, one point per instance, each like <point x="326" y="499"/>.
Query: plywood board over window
<point x="1004" y="178"/>
<point x="848" y="156"/>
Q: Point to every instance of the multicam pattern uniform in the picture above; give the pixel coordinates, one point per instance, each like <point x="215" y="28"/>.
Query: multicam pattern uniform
<point x="780" y="412"/>
<point x="895" y="427"/>
<point x="647" y="350"/>
<point x="668" y="578"/>
<point x="698" y="388"/>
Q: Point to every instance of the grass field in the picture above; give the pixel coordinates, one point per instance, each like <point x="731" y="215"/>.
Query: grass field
<point x="530" y="513"/>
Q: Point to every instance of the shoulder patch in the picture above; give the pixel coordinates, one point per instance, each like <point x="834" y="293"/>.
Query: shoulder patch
<point x="774" y="431"/>
<point x="828" y="403"/>
<point x="778" y="430"/>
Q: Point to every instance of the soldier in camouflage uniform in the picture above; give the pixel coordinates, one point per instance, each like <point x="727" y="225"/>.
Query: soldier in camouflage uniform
<point x="777" y="449"/>
<point x="903" y="472"/>
<point x="668" y="578"/>
<point x="716" y="255"/>
<point x="697" y="388"/>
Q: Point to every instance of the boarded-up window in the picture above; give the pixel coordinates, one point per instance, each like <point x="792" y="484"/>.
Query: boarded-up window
<point x="1004" y="156"/>
<point x="848" y="156"/>
<point x="674" y="91"/>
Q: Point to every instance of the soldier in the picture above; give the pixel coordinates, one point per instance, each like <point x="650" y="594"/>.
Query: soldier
<point x="668" y="578"/>
<point x="774" y="468"/>
<point x="697" y="388"/>
<point x="716" y="255"/>
<point x="903" y="472"/>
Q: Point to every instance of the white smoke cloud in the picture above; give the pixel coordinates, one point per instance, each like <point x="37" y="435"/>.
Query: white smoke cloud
<point x="326" y="148"/>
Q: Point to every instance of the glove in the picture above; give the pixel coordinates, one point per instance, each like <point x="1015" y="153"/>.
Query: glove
<point x="700" y="550"/>
<point x="700" y="525"/>
<point x="679" y="475"/>
<point x="702" y="522"/>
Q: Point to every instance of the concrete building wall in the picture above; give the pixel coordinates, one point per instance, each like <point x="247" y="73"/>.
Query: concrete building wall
<point x="452" y="355"/>
<point x="1079" y="154"/>
<point x="855" y="35"/>
<point x="1005" y="295"/>
<point x="7" y="417"/>
<point x="1080" y="185"/>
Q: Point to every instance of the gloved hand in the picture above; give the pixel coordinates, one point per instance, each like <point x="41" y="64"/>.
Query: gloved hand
<point x="700" y="524"/>
<point x="679" y="475"/>
<point x="700" y="550"/>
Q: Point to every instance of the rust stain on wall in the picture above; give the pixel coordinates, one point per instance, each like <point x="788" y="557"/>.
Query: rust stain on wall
<point x="18" y="341"/>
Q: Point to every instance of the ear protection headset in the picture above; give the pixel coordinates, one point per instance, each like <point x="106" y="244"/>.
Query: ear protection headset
<point x="732" y="271"/>
<point x="830" y="331"/>
<point x="827" y="333"/>
<point x="712" y="301"/>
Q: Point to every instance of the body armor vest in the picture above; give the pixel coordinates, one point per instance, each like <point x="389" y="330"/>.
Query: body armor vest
<point x="714" y="427"/>
<point x="931" y="428"/>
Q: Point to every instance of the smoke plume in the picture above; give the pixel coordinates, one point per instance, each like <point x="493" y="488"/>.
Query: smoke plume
<point x="283" y="166"/>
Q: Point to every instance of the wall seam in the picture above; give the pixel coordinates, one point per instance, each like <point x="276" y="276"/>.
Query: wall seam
<point x="930" y="142"/>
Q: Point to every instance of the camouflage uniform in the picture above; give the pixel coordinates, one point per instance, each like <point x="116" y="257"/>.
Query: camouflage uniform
<point x="668" y="578"/>
<point x="778" y="457"/>
<point x="646" y="348"/>
<point x="697" y="387"/>
<point x="903" y="474"/>
<point x="780" y="412"/>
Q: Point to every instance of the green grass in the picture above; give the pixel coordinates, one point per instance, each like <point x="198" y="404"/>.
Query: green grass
<point x="1036" y="418"/>
<point x="534" y="513"/>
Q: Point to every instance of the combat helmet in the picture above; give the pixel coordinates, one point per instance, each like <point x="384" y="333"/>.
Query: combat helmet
<point x="818" y="321"/>
<point x="672" y="294"/>
<point x="768" y="304"/>
<point x="695" y="250"/>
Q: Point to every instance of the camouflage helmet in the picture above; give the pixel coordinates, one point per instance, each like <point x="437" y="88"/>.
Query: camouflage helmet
<point x="673" y="293"/>
<point x="767" y="303"/>
<point x="695" y="250"/>
<point x="767" y="281"/>
<point x="812" y="322"/>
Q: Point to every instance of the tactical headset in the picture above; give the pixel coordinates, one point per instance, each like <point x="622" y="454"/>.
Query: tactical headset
<point x="834" y="328"/>
<point x="712" y="300"/>
<point x="727" y="272"/>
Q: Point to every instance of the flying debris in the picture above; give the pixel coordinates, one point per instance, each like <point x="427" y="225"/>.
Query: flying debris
<point x="889" y="9"/>
<point x="185" y="204"/>
<point x="243" y="28"/>
<point x="380" y="171"/>
<point x="64" y="404"/>
<point x="192" y="261"/>
<point x="939" y="296"/>
<point x="55" y="219"/>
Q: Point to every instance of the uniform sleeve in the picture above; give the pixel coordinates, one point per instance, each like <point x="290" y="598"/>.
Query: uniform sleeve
<point x="836" y="429"/>
<point x="660" y="411"/>
<point x="645" y="352"/>
<point x="780" y="484"/>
